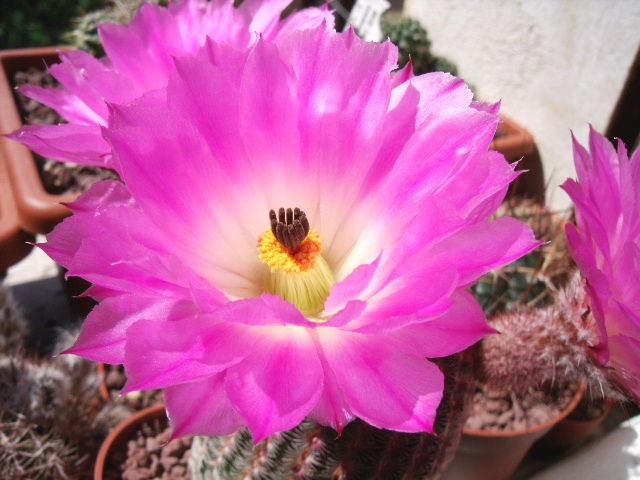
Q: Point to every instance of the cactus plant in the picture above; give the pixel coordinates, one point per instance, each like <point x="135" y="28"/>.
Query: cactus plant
<point x="27" y="453"/>
<point x="549" y="345"/>
<point x="413" y="44"/>
<point x="533" y="279"/>
<point x="310" y="451"/>
<point x="13" y="326"/>
<point x="51" y="420"/>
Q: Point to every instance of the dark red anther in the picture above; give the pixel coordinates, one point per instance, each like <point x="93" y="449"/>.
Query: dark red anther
<point x="290" y="227"/>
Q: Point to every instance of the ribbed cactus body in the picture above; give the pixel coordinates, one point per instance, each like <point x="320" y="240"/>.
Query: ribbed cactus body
<point x="311" y="451"/>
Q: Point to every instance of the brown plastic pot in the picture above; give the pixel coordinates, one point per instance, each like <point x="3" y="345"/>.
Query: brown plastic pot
<point x="570" y="432"/>
<point x="495" y="455"/>
<point x="121" y="434"/>
<point x="14" y="242"/>
<point x="38" y="210"/>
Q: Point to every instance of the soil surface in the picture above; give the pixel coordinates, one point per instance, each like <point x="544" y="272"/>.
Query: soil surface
<point x="57" y="177"/>
<point x="148" y="455"/>
<point x="497" y="412"/>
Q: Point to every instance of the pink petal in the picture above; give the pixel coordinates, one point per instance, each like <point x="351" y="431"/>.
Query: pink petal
<point x="304" y="19"/>
<point x="628" y="289"/>
<point x="380" y="383"/>
<point x="269" y="134"/>
<point x="195" y="231"/>
<point x="438" y="91"/>
<point x="191" y="93"/>
<point x="422" y="181"/>
<point x="158" y="354"/>
<point x="143" y="48"/>
<point x="261" y="311"/>
<point x="263" y="15"/>
<point x="483" y="185"/>
<point x="66" y="142"/>
<point x="402" y="75"/>
<point x="460" y="327"/>
<point x="598" y="289"/>
<point x="400" y="125"/>
<point x="483" y="247"/>
<point x="331" y="409"/>
<point x="279" y="383"/>
<point x="66" y="103"/>
<point x="201" y="408"/>
<point x="408" y="299"/>
<point x="139" y="259"/>
<point x="351" y="287"/>
<point x="104" y="332"/>
<point x="78" y="96"/>
<point x="589" y="221"/>
<point x="335" y="103"/>
<point x="454" y="137"/>
<point x="351" y="312"/>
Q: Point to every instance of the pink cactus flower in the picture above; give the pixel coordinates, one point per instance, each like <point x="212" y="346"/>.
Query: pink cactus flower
<point x="139" y="60"/>
<point x="255" y="318"/>
<point x="605" y="245"/>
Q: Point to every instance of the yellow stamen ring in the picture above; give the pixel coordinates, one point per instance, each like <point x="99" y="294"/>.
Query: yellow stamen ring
<point x="302" y="278"/>
<point x="278" y="257"/>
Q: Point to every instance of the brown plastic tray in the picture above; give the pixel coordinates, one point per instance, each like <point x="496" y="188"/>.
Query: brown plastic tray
<point x="38" y="210"/>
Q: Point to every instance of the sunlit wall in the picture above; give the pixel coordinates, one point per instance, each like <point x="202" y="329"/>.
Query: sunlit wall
<point x="557" y="65"/>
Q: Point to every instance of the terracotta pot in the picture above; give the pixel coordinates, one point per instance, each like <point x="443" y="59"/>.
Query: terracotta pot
<point x="570" y="432"/>
<point x="38" y="210"/>
<point x="514" y="142"/>
<point x="517" y="145"/>
<point x="495" y="455"/>
<point x="122" y="433"/>
<point x="14" y="242"/>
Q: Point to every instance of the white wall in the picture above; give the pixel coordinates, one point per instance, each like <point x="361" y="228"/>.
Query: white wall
<point x="557" y="65"/>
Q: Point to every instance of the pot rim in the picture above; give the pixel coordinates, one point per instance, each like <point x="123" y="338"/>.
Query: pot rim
<point x="121" y="431"/>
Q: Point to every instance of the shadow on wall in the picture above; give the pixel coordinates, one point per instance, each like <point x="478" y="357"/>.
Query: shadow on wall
<point x="625" y="120"/>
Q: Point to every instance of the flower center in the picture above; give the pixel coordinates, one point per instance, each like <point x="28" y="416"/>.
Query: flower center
<point x="297" y="272"/>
